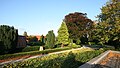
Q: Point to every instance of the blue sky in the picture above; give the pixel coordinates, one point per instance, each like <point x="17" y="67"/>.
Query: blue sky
<point x="37" y="17"/>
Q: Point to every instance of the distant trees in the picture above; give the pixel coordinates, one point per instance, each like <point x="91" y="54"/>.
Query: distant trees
<point x="8" y="39"/>
<point x="50" y="42"/>
<point x="63" y="35"/>
<point x="79" y="26"/>
<point x="42" y="40"/>
<point x="32" y="39"/>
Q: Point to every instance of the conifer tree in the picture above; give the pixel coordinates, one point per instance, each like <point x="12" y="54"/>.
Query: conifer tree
<point x="8" y="39"/>
<point x="63" y="35"/>
<point x="50" y="42"/>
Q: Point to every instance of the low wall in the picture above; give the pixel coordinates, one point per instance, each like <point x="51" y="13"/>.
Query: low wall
<point x="97" y="59"/>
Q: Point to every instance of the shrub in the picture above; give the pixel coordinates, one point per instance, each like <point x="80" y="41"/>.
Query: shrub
<point x="31" y="48"/>
<point x="63" y="60"/>
<point x="32" y="53"/>
<point x="74" y="45"/>
<point x="34" y="44"/>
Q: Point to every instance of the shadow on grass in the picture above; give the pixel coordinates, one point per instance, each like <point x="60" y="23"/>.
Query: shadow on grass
<point x="70" y="62"/>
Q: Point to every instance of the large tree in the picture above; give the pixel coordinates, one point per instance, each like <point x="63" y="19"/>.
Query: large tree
<point x="63" y="35"/>
<point x="8" y="39"/>
<point x="50" y="42"/>
<point x="110" y="18"/>
<point x="78" y="25"/>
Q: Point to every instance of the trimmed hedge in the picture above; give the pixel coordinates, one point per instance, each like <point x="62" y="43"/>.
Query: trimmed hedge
<point x="32" y="53"/>
<point x="31" y="48"/>
<point x="63" y="60"/>
<point x="36" y="48"/>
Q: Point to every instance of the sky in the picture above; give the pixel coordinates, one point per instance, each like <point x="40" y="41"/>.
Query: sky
<point x="37" y="17"/>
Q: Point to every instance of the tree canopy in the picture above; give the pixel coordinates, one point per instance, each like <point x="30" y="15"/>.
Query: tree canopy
<point x="8" y="38"/>
<point x="50" y="42"/>
<point x="42" y="40"/>
<point x="108" y="28"/>
<point x="78" y="25"/>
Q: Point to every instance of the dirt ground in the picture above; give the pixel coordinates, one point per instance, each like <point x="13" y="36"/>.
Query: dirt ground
<point x="111" y="61"/>
<point x="16" y="58"/>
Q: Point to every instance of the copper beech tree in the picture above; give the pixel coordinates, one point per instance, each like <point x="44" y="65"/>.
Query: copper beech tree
<point x="78" y="25"/>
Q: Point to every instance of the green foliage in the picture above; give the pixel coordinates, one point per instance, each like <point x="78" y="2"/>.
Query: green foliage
<point x="31" y="53"/>
<point x="101" y="34"/>
<point x="105" y="48"/>
<point x="78" y="42"/>
<point x="31" y="48"/>
<point x="8" y="39"/>
<point x="73" y="45"/>
<point x="63" y="35"/>
<point x="107" y="31"/>
<point x="64" y="60"/>
<point x="35" y="44"/>
<point x="42" y="40"/>
<point x="7" y="56"/>
<point x="50" y="42"/>
<point x="32" y="39"/>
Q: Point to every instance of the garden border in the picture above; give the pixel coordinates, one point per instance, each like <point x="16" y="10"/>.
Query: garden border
<point x="97" y="59"/>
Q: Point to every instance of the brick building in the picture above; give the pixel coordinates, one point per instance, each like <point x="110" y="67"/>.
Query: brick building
<point x="21" y="42"/>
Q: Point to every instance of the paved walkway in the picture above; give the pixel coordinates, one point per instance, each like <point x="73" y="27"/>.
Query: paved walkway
<point x="38" y="56"/>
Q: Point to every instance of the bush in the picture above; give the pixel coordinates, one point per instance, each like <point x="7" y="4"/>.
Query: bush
<point x="34" y="43"/>
<point x="74" y="45"/>
<point x="63" y="60"/>
<point x="108" y="48"/>
<point x="7" y="56"/>
<point x="31" y="48"/>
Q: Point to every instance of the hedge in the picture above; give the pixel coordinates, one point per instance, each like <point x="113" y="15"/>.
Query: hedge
<point x="63" y="60"/>
<point x="31" y="48"/>
<point x="36" y="48"/>
<point x="7" y="56"/>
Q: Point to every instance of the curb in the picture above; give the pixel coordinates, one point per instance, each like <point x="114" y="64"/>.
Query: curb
<point x="96" y="60"/>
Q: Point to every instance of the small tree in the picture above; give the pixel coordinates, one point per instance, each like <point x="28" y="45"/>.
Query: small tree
<point x="50" y="42"/>
<point x="63" y="35"/>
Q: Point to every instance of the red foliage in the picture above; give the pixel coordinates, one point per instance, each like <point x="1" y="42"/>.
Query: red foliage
<point x="78" y="24"/>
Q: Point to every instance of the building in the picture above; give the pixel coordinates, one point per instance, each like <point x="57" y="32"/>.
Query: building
<point x="38" y="37"/>
<point x="21" y="42"/>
